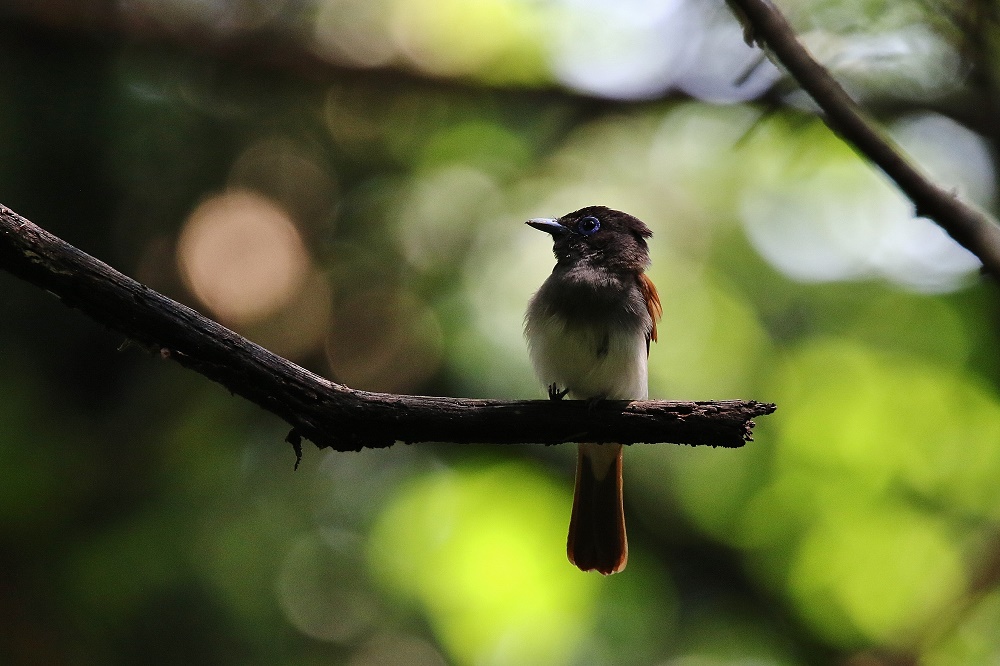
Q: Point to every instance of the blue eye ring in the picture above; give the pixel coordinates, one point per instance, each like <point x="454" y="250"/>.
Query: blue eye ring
<point x="588" y="225"/>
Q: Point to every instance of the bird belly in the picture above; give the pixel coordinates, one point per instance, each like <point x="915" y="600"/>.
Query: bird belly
<point x="591" y="362"/>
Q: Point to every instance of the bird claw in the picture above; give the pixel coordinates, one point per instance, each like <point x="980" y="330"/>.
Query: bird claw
<point x="555" y="393"/>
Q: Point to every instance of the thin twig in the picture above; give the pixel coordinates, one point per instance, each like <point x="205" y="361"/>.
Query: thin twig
<point x="972" y="228"/>
<point x="333" y="415"/>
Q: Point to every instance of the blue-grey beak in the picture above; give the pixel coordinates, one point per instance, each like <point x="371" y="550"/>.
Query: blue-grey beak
<point x="547" y="224"/>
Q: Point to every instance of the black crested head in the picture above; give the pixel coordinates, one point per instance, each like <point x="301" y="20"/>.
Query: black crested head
<point x="599" y="236"/>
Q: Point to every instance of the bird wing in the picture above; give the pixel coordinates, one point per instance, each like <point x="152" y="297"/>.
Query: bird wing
<point x="652" y="305"/>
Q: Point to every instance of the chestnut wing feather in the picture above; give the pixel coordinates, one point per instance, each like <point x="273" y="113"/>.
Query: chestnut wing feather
<point x="648" y="290"/>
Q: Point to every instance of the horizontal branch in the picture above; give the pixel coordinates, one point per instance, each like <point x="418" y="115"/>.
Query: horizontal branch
<point x="333" y="415"/>
<point x="974" y="229"/>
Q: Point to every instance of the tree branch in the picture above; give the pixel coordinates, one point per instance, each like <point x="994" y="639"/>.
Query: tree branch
<point x="972" y="228"/>
<point x="332" y="415"/>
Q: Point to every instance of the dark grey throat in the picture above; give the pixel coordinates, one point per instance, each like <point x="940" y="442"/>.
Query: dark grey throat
<point x="583" y="295"/>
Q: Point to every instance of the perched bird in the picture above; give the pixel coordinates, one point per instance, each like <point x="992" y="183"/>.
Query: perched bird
<point x="588" y="329"/>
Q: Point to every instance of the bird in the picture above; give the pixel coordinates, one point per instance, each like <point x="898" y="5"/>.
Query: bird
<point x="589" y="328"/>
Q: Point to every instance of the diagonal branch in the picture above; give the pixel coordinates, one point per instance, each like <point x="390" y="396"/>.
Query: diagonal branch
<point x="972" y="228"/>
<point x="333" y="415"/>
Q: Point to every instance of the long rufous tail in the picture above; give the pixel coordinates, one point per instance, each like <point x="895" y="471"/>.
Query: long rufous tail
<point x="597" y="527"/>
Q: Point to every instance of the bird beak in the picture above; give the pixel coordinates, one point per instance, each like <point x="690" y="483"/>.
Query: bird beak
<point x="548" y="225"/>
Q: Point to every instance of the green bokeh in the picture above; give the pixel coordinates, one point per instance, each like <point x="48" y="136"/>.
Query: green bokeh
<point x="150" y="517"/>
<point x="482" y="551"/>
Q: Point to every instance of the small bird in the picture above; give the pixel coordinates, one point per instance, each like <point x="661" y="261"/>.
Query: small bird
<point x="588" y="329"/>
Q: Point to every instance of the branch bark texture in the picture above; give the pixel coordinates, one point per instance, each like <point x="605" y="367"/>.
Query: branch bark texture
<point x="333" y="415"/>
<point x="974" y="229"/>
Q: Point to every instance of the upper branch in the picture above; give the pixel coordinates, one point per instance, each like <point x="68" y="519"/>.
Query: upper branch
<point x="333" y="415"/>
<point x="972" y="228"/>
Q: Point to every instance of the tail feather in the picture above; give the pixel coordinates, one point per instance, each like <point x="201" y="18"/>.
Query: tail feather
<point x="597" y="527"/>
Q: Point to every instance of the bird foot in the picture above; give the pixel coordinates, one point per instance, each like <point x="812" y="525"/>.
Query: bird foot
<point x="555" y="393"/>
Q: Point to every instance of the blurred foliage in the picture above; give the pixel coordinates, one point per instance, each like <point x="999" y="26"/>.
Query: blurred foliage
<point x="345" y="182"/>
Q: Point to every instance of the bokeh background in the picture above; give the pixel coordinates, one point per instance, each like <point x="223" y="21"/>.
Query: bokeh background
<point x="345" y="181"/>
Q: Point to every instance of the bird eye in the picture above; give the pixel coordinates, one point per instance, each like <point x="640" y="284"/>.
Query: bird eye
<point x="588" y="225"/>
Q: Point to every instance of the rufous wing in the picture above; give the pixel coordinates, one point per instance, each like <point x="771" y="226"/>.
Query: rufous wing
<point x="653" y="306"/>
